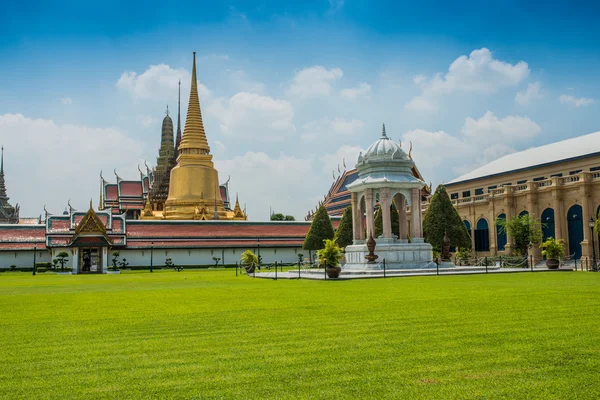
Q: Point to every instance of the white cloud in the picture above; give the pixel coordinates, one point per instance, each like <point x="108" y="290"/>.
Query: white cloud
<point x="490" y="129"/>
<point x="345" y="154"/>
<point x="577" y="102"/>
<point x="480" y="141"/>
<point x="531" y="93"/>
<point x="327" y="127"/>
<point x="62" y="162"/>
<point x="147" y="121"/>
<point x="477" y="73"/>
<point x="361" y="90"/>
<point x="314" y="81"/>
<point x="254" y="117"/>
<point x="154" y="82"/>
<point x="242" y="82"/>
<point x="263" y="181"/>
<point x="66" y="100"/>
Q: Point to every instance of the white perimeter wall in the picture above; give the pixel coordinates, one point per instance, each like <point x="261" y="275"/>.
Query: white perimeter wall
<point x="22" y="259"/>
<point x="205" y="256"/>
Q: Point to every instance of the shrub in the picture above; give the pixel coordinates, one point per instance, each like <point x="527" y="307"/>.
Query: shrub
<point x="523" y="230"/>
<point x="320" y="229"/>
<point x="553" y="249"/>
<point x="249" y="260"/>
<point x="343" y="234"/>
<point x="442" y="218"/>
<point x="330" y="254"/>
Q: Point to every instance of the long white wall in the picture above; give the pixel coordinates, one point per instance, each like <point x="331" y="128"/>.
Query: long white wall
<point x="22" y="259"/>
<point x="205" y="256"/>
<point x="183" y="257"/>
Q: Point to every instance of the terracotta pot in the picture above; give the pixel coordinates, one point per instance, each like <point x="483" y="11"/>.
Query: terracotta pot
<point x="334" y="272"/>
<point x="552" y="263"/>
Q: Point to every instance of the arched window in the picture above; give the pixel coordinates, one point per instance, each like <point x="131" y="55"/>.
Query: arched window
<point x="482" y="236"/>
<point x="524" y="212"/>
<point x="575" y="228"/>
<point x="548" y="227"/>
<point x="467" y="225"/>
<point x="501" y="233"/>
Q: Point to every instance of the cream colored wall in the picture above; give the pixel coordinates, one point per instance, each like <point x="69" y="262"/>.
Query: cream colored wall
<point x="558" y="193"/>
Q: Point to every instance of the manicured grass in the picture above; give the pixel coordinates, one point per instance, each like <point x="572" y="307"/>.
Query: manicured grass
<point x="208" y="334"/>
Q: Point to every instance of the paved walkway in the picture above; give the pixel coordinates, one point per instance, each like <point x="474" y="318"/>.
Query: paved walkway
<point x="316" y="274"/>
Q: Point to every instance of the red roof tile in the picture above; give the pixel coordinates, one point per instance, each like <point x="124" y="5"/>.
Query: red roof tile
<point x="130" y="189"/>
<point x="216" y="229"/>
<point x="214" y="243"/>
<point x="22" y="233"/>
<point x="111" y="192"/>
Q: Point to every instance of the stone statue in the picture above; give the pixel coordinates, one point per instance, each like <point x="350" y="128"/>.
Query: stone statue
<point x="371" y="257"/>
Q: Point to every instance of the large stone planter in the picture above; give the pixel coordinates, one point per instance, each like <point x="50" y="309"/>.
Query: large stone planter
<point x="552" y="263"/>
<point x="333" y="272"/>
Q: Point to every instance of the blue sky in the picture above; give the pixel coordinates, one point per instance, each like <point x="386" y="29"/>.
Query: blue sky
<point x="289" y="90"/>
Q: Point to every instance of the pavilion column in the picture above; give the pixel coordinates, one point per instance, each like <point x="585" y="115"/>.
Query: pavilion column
<point x="415" y="215"/>
<point x="354" y="204"/>
<point x="361" y="218"/>
<point x="384" y="198"/>
<point x="403" y="228"/>
<point x="369" y="211"/>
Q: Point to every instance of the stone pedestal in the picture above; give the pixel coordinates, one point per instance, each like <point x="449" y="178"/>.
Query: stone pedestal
<point x="397" y="255"/>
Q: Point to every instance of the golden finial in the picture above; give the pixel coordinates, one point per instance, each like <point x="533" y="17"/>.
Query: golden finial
<point x="194" y="136"/>
<point x="91" y="206"/>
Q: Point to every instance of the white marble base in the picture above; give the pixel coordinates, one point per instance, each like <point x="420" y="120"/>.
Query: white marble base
<point x="113" y="271"/>
<point x="397" y="255"/>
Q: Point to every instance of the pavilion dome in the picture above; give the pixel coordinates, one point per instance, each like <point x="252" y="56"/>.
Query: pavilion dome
<point x="384" y="149"/>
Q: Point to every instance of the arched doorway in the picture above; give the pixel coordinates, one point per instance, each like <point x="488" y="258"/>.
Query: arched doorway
<point x="482" y="236"/>
<point x="575" y="228"/>
<point x="501" y="233"/>
<point x="548" y="227"/>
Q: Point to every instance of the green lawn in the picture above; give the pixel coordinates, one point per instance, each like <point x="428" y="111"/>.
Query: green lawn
<point x="208" y="334"/>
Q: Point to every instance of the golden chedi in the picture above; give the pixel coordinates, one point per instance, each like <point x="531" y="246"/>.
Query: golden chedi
<point x="194" y="184"/>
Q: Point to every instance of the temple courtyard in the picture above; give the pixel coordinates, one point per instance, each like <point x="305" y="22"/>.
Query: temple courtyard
<point x="210" y="334"/>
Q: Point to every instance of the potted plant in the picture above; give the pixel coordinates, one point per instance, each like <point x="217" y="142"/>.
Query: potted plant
<point x="115" y="264"/>
<point x="329" y="258"/>
<point x="553" y="250"/>
<point x="249" y="261"/>
<point x="61" y="258"/>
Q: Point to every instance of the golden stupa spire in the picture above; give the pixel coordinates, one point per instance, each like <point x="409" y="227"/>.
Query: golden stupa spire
<point x="194" y="136"/>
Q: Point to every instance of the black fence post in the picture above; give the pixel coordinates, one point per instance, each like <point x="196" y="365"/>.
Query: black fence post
<point x="236" y="268"/>
<point x="437" y="266"/>
<point x="384" y="267"/>
<point x="275" y="270"/>
<point x="500" y="261"/>
<point x="576" y="265"/>
<point x="325" y="270"/>
<point x="34" y="263"/>
<point x="298" y="269"/>
<point x="531" y="262"/>
<point x="486" y="265"/>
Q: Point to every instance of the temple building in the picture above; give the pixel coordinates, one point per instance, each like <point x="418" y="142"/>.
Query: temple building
<point x="557" y="184"/>
<point x="8" y="213"/>
<point x="164" y="164"/>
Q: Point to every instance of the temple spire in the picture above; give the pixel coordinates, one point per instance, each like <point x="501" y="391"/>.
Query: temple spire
<point x="3" y="195"/>
<point x="383" y="134"/>
<point x="178" y="140"/>
<point x="194" y="136"/>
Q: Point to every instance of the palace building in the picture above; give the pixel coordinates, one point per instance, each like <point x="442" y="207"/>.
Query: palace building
<point x="558" y="184"/>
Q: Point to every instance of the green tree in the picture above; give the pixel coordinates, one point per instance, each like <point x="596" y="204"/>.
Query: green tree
<point x="441" y="217"/>
<point x="320" y="229"/>
<point x="343" y="234"/>
<point x="394" y="219"/>
<point x="523" y="230"/>
<point x="330" y="254"/>
<point x="277" y="217"/>
<point x="290" y="218"/>
<point x="62" y="259"/>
